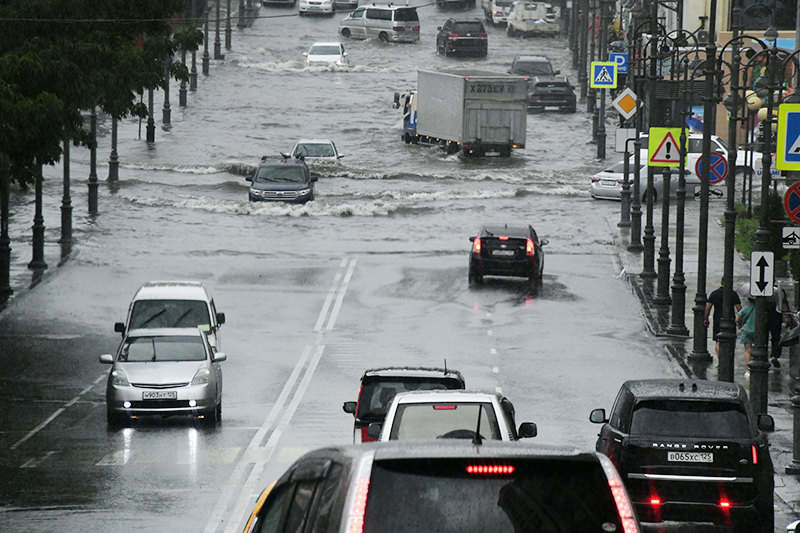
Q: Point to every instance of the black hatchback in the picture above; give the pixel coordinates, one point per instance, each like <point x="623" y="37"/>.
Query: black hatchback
<point x="554" y="92"/>
<point x="506" y="250"/>
<point x="282" y="180"/>
<point x="466" y="37"/>
<point x="691" y="451"/>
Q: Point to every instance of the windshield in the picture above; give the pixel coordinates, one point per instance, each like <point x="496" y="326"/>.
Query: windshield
<point x="326" y="50"/>
<point x="282" y="174"/>
<point x="533" y="68"/>
<point x="683" y="418"/>
<point x="376" y="395"/>
<point x="540" y="496"/>
<point x="406" y="15"/>
<point x="170" y="314"/>
<point x="314" y="150"/>
<point x="444" y="421"/>
<point x="150" y="349"/>
<point x="504" y="3"/>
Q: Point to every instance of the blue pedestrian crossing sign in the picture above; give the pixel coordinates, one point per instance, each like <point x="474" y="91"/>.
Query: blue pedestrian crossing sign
<point x="621" y="59"/>
<point x="604" y="75"/>
<point x="787" y="156"/>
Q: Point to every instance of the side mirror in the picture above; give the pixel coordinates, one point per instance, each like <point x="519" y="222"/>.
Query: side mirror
<point x="350" y="407"/>
<point x="472" y="239"/>
<point x="556" y="72"/>
<point x="766" y="423"/>
<point x="314" y="178"/>
<point x="339" y="156"/>
<point x="543" y="242"/>
<point x="218" y="357"/>
<point x="107" y="359"/>
<point x="598" y="416"/>
<point x="249" y="178"/>
<point x="439" y="28"/>
<point x="119" y="327"/>
<point x="396" y="101"/>
<point x="305" y="54"/>
<point x="220" y="318"/>
<point x="527" y="430"/>
<point x="374" y="430"/>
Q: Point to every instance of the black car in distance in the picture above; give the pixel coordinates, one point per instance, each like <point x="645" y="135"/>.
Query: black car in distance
<point x="463" y="37"/>
<point x="555" y="93"/>
<point x="691" y="451"/>
<point x="380" y="385"/>
<point x="283" y="179"/>
<point x="506" y="250"/>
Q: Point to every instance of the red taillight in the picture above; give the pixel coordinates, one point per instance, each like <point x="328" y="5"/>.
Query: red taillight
<point x="529" y="247"/>
<point x="415" y="28"/>
<point x="490" y="469"/>
<point x="755" y="456"/>
<point x="364" y="436"/>
<point x="725" y="504"/>
<point x="359" y="505"/>
<point x="476" y="245"/>
<point x="503" y="238"/>
<point x="444" y="407"/>
<point x="482" y="36"/>
<point x="624" y="507"/>
<point x="655" y="501"/>
<point x="453" y="36"/>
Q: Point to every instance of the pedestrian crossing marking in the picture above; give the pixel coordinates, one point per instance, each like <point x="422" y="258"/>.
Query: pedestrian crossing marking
<point x="603" y="76"/>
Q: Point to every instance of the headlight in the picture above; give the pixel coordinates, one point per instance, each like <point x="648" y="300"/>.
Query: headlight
<point x="304" y="192"/>
<point x="119" y="378"/>
<point x="201" y="377"/>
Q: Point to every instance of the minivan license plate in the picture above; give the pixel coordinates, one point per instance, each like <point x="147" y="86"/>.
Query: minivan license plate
<point x="160" y="395"/>
<point x="691" y="457"/>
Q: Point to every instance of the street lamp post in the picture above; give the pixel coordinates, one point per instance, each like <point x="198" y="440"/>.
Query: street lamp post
<point x="700" y="341"/>
<point x="228" y="29"/>
<point x="601" y="111"/>
<point x="206" y="57"/>
<point x="217" y="43"/>
<point x="648" y="262"/>
<point x="93" y="159"/>
<point x="66" y="199"/>
<point x="583" y="78"/>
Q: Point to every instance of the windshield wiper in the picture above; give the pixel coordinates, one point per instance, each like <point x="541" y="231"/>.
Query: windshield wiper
<point x="184" y="315"/>
<point x="143" y="324"/>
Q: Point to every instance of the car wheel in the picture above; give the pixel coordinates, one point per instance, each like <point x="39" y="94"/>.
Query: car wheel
<point x="511" y="32"/>
<point x="474" y="276"/>
<point x="116" y="420"/>
<point x="218" y="413"/>
<point x="346" y="33"/>
<point x="383" y="37"/>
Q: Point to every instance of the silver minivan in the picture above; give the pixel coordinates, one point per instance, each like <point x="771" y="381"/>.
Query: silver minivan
<point x="387" y="23"/>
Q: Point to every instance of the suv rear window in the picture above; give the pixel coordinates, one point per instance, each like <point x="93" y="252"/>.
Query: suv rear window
<point x="533" y="68"/>
<point x="542" y="496"/>
<point x="406" y="14"/>
<point x="468" y="27"/>
<point x="444" y="420"/>
<point x="685" y="418"/>
<point x="377" y="393"/>
<point x="552" y="87"/>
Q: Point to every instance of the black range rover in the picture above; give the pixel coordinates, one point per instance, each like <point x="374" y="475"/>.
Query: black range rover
<point x="691" y="451"/>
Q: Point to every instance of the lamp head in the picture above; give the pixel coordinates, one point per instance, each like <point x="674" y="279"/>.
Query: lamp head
<point x="771" y="35"/>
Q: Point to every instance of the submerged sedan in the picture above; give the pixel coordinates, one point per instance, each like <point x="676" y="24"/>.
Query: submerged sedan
<point x="607" y="184"/>
<point x="164" y="371"/>
<point x="326" y="54"/>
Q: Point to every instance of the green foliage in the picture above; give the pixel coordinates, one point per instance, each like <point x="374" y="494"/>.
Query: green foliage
<point x="747" y="228"/>
<point x="58" y="58"/>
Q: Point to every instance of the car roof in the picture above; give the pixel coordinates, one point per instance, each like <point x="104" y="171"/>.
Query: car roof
<point x="531" y="58"/>
<point x="172" y="290"/>
<point x="410" y="371"/>
<point x="166" y="332"/>
<point x="326" y="43"/>
<point x="450" y="396"/>
<point x="685" y="389"/>
<point x="453" y="448"/>
<point x="314" y="141"/>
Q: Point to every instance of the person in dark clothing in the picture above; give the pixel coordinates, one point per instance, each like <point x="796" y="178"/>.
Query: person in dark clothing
<point x="777" y="305"/>
<point x="715" y="301"/>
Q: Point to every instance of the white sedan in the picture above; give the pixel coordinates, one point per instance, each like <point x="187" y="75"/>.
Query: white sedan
<point x="326" y="54"/>
<point x="607" y="184"/>
<point x="317" y="149"/>
<point x="315" y="7"/>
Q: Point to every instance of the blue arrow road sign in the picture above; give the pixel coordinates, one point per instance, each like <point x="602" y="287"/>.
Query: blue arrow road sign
<point x="788" y="150"/>
<point x="621" y="59"/>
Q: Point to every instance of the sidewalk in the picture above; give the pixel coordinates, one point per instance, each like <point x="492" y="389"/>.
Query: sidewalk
<point x="657" y="319"/>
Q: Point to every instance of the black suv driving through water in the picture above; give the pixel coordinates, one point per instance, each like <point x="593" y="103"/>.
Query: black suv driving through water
<point x="691" y="451"/>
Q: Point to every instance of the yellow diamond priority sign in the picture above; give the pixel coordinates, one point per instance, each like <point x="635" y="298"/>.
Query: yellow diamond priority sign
<point x="625" y="103"/>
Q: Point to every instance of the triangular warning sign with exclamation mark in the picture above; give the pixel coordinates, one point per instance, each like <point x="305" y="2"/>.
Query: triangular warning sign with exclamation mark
<point x="667" y="151"/>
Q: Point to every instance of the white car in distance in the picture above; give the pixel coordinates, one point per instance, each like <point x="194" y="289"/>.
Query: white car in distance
<point x="316" y="149"/>
<point x="326" y="54"/>
<point x="450" y="414"/>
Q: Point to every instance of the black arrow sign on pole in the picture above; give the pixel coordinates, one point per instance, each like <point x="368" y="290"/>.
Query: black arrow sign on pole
<point x="762" y="267"/>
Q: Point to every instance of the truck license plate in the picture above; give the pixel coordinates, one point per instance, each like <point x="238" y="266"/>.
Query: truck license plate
<point x="160" y="395"/>
<point x="690" y="457"/>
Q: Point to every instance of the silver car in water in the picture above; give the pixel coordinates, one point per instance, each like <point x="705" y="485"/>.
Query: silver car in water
<point x="164" y="371"/>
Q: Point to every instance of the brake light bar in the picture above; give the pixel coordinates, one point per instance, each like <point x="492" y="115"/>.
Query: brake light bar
<point x="444" y="407"/>
<point x="503" y="238"/>
<point x="655" y="501"/>
<point x="490" y="469"/>
<point x="725" y="504"/>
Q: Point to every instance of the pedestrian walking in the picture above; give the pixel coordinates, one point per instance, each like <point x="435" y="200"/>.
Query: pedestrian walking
<point x="778" y="304"/>
<point x="746" y="320"/>
<point x="715" y="302"/>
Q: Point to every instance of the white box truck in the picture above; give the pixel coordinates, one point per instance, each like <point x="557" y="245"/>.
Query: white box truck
<point x="477" y="113"/>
